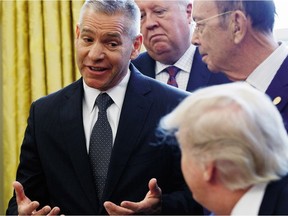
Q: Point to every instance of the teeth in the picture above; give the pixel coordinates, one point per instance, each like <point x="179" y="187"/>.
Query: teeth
<point x="96" y="69"/>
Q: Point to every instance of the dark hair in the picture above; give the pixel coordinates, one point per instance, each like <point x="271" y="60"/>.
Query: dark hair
<point x="261" y="12"/>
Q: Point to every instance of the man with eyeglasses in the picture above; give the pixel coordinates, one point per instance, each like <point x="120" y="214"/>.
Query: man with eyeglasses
<point x="236" y="37"/>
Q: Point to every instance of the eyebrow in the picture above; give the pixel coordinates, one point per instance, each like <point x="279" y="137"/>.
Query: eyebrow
<point x="114" y="34"/>
<point x="85" y="30"/>
<point x="109" y="34"/>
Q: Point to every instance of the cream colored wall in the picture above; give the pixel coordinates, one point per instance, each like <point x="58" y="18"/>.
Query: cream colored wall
<point x="281" y="35"/>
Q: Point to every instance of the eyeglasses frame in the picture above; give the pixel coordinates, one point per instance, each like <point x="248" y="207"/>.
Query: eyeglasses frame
<point x="196" y="23"/>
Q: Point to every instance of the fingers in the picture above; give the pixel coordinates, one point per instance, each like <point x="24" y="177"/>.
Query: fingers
<point x="25" y="206"/>
<point x="46" y="210"/>
<point x="43" y="211"/>
<point x="113" y="209"/>
<point x="54" y="211"/>
<point x="28" y="207"/>
<point x="134" y="206"/>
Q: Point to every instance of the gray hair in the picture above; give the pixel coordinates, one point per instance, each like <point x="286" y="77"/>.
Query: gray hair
<point x="235" y="126"/>
<point x="111" y="7"/>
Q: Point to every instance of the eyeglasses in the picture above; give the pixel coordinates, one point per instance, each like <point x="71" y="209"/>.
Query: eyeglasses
<point x="199" y="25"/>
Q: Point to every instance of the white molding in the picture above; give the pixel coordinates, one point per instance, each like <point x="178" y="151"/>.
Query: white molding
<point x="281" y="34"/>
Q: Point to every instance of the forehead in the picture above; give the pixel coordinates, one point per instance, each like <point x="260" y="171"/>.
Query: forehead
<point x="203" y="9"/>
<point x="100" y="21"/>
<point x="143" y="4"/>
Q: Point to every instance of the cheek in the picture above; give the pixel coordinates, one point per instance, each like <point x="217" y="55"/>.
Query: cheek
<point x="80" y="54"/>
<point x="191" y="173"/>
<point x="185" y="169"/>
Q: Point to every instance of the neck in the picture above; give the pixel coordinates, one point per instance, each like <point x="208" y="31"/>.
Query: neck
<point x="225" y="200"/>
<point x="255" y="48"/>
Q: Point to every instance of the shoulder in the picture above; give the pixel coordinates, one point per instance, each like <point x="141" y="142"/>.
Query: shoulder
<point x="157" y="90"/>
<point x="275" y="198"/>
<point x="143" y="57"/>
<point x="65" y="92"/>
<point x="145" y="64"/>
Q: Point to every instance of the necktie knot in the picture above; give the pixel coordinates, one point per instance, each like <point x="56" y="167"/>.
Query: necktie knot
<point x="172" y="71"/>
<point x="103" y="101"/>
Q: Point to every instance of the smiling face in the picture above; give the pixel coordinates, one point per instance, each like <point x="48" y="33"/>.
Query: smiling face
<point x="165" y="26"/>
<point x="104" y="49"/>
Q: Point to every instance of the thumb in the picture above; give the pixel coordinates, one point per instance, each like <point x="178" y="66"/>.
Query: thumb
<point x="154" y="189"/>
<point x="19" y="190"/>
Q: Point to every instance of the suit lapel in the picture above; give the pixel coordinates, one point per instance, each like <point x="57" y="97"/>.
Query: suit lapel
<point x="279" y="86"/>
<point x="134" y="112"/>
<point x="75" y="139"/>
<point x="199" y="73"/>
<point x="148" y="68"/>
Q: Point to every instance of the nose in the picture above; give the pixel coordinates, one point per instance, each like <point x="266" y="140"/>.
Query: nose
<point x="96" y="51"/>
<point x="195" y="39"/>
<point x="151" y="21"/>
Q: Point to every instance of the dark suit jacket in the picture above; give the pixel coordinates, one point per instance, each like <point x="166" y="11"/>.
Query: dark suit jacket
<point x="279" y="88"/>
<point x="275" y="198"/>
<point x="200" y="76"/>
<point x="54" y="165"/>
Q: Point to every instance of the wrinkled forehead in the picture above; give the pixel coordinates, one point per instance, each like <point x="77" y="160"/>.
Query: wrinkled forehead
<point x="203" y="9"/>
<point x="154" y="3"/>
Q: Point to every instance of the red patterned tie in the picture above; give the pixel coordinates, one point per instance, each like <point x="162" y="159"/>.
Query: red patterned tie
<point x="172" y="71"/>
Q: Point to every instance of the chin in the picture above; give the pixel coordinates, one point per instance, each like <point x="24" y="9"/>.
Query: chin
<point x="211" y="69"/>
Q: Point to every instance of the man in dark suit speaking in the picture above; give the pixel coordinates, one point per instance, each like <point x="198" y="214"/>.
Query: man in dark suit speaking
<point x="60" y="171"/>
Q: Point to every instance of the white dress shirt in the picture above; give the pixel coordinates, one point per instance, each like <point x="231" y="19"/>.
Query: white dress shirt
<point x="263" y="75"/>
<point x="184" y="64"/>
<point x="90" y="112"/>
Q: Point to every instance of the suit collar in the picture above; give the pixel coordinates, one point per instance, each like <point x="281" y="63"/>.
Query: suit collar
<point x="279" y="86"/>
<point x="146" y="64"/>
<point x="199" y="73"/>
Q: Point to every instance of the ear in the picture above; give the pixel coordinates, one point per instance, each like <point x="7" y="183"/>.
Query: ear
<point x="189" y="12"/>
<point x="137" y="46"/>
<point x="209" y="172"/>
<point x="238" y="26"/>
<point x="77" y="32"/>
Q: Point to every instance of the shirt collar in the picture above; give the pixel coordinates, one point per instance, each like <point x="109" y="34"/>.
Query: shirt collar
<point x="184" y="63"/>
<point x="249" y="203"/>
<point x="263" y="75"/>
<point x="117" y="93"/>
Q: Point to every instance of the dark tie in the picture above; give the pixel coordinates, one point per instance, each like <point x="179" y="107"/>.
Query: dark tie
<point x="172" y="71"/>
<point x="101" y="144"/>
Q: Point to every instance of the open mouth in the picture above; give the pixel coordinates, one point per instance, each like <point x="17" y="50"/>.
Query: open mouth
<point x="98" y="69"/>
